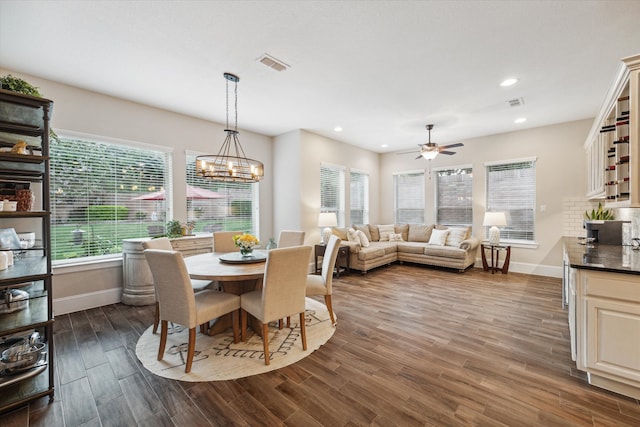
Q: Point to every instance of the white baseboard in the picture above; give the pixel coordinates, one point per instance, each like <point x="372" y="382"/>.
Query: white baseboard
<point x="535" y="269"/>
<point x="86" y="301"/>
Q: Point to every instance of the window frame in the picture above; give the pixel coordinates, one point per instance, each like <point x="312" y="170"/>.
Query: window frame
<point x="365" y="196"/>
<point x="422" y="194"/>
<point x="469" y="197"/>
<point x="340" y="191"/>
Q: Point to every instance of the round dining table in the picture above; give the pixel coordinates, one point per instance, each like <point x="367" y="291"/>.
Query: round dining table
<point x="233" y="277"/>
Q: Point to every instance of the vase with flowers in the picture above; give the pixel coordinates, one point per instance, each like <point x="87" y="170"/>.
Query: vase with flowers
<point x="246" y="242"/>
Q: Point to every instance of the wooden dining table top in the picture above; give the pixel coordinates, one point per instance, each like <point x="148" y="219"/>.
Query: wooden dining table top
<point x="209" y="267"/>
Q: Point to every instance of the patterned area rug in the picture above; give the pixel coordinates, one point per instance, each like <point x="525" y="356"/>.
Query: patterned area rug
<point x="217" y="358"/>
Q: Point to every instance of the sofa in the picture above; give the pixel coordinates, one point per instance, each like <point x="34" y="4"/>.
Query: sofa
<point x="371" y="245"/>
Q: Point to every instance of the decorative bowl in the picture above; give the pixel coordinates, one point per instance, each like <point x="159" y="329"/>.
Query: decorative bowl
<point x="27" y="238"/>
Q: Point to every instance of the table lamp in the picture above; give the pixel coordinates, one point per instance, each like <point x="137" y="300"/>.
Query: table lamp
<point x="327" y="220"/>
<point x="494" y="220"/>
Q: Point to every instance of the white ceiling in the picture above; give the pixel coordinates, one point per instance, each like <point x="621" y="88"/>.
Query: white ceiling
<point x="380" y="69"/>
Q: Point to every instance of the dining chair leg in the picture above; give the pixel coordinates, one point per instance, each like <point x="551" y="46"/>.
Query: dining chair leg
<point x="265" y="340"/>
<point x="288" y="321"/>
<point x="303" y="331"/>
<point x="235" y="320"/>
<point x="280" y="324"/>
<point x="327" y="302"/>
<point x="163" y="339"/>
<point x="243" y="326"/>
<point x="191" y="350"/>
<point x="156" y="318"/>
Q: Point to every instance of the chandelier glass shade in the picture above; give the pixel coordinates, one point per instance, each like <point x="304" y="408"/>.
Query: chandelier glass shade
<point x="230" y="164"/>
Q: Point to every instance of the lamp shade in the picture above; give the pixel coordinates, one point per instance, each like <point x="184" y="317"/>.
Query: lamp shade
<point x="494" y="220"/>
<point x="327" y="220"/>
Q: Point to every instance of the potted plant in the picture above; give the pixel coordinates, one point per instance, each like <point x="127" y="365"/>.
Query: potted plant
<point x="600" y="214"/>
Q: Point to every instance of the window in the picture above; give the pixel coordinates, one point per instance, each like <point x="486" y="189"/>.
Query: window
<point x="102" y="193"/>
<point x="454" y="194"/>
<point x="409" y="197"/>
<point x="221" y="206"/>
<point x="511" y="188"/>
<point x="359" y="197"/>
<point x="332" y="191"/>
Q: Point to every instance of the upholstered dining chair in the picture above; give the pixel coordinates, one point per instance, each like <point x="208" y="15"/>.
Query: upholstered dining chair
<point x="321" y="284"/>
<point x="179" y="304"/>
<point x="164" y="244"/>
<point x="282" y="293"/>
<point x="223" y="241"/>
<point x="288" y="238"/>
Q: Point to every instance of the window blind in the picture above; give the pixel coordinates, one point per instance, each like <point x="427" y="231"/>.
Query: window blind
<point x="221" y="206"/>
<point x="102" y="193"/>
<point x="454" y="196"/>
<point x="332" y="188"/>
<point x="409" y="197"/>
<point x="359" y="197"/>
<point x="511" y="188"/>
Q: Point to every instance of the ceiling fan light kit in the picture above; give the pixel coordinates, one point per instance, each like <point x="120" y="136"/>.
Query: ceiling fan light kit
<point x="430" y="150"/>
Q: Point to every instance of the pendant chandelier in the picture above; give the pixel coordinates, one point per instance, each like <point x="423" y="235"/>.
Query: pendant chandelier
<point x="230" y="164"/>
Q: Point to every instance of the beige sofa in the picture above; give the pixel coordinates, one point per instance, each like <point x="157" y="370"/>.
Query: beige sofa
<point x="450" y="247"/>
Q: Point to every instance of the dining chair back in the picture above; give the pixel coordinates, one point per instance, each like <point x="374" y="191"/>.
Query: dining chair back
<point x="323" y="284"/>
<point x="223" y="241"/>
<point x="163" y="243"/>
<point x="179" y="304"/>
<point x="282" y="294"/>
<point x="288" y="238"/>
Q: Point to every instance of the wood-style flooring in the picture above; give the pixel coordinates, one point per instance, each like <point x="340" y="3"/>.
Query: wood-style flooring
<point x="414" y="346"/>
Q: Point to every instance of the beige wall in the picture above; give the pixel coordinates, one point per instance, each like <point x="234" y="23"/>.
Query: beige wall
<point x="560" y="172"/>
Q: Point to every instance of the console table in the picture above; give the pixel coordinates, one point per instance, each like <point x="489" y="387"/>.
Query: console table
<point x="137" y="286"/>
<point x="495" y="255"/>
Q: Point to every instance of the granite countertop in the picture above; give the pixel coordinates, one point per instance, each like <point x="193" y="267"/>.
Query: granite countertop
<point x="611" y="258"/>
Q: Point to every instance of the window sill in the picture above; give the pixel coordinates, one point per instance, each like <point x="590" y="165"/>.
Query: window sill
<point x="86" y="264"/>
<point x="516" y="244"/>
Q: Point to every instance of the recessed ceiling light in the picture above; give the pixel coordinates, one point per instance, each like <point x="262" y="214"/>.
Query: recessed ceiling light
<point x="520" y="120"/>
<point x="337" y="129"/>
<point x="509" y="82"/>
<point x="384" y="145"/>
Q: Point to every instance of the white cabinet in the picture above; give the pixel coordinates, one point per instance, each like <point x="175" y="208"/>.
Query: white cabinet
<point x="607" y="329"/>
<point x="613" y="146"/>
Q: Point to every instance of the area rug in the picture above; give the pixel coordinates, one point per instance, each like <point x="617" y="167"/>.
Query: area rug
<point x="217" y="358"/>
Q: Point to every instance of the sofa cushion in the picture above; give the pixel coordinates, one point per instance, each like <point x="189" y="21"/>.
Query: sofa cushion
<point x="373" y="230"/>
<point x="353" y="235"/>
<point x="411" y="247"/>
<point x="396" y="237"/>
<point x="365" y="229"/>
<point x="385" y="230"/>
<point x="354" y="247"/>
<point x="340" y="232"/>
<point x="438" y="237"/>
<point x="445" y="252"/>
<point x="456" y="236"/>
<point x="372" y="252"/>
<point x="388" y="247"/>
<point x="404" y="230"/>
<point x="364" y="242"/>
<point x="419" y="232"/>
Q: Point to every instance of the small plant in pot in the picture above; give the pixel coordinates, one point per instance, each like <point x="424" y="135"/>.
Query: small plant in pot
<point x="600" y="214"/>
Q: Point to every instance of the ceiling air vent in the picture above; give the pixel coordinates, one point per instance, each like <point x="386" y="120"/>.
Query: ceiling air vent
<point x="516" y="102"/>
<point x="272" y="62"/>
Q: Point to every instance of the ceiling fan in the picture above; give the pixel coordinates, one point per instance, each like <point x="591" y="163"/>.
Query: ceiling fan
<point x="430" y="150"/>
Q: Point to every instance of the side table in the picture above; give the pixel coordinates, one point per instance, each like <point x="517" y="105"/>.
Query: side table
<point x="495" y="255"/>
<point x="342" y="261"/>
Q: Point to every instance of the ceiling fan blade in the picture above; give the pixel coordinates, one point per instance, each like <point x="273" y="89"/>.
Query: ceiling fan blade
<point x="419" y="157"/>
<point x="458" y="144"/>
<point x="448" y="153"/>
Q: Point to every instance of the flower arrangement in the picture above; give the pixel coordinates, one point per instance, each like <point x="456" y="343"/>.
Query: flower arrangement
<point x="246" y="242"/>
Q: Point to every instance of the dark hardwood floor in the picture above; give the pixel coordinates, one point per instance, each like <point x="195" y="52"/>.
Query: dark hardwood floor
<point x="414" y="346"/>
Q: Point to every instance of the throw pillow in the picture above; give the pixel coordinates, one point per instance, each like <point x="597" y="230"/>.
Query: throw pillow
<point x="364" y="242"/>
<point x="456" y="236"/>
<point x="397" y="237"/>
<point x="419" y="232"/>
<point x="373" y="230"/>
<point x="353" y="236"/>
<point x="341" y="233"/>
<point x="385" y="231"/>
<point x="404" y="230"/>
<point x="364" y="228"/>
<point x="438" y="237"/>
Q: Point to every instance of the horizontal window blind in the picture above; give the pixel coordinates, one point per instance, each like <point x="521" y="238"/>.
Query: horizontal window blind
<point x="511" y="188"/>
<point x="359" y="197"/>
<point x="454" y="196"/>
<point x="102" y="193"/>
<point x="409" y="198"/>
<point x="221" y="206"/>
<point x="332" y="188"/>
